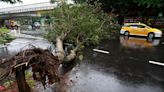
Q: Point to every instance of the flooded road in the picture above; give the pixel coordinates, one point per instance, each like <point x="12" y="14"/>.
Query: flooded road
<point x="125" y="69"/>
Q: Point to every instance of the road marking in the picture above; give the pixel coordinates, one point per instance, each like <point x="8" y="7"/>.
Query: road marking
<point x="156" y="63"/>
<point x="101" y="51"/>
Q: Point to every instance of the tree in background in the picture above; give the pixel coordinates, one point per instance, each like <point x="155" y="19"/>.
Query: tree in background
<point x="123" y="7"/>
<point x="152" y="3"/>
<point x="145" y="9"/>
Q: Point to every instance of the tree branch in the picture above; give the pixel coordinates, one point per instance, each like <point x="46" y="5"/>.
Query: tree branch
<point x="102" y="24"/>
<point x="72" y="54"/>
<point x="77" y="39"/>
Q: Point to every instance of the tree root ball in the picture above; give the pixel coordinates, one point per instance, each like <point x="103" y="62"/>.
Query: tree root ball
<point x="43" y="63"/>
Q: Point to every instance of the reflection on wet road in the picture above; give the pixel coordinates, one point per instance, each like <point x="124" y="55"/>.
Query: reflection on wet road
<point x="125" y="69"/>
<point x="136" y="42"/>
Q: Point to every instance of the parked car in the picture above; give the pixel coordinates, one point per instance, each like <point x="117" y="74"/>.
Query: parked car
<point x="12" y="24"/>
<point x="36" y="25"/>
<point x="140" y="29"/>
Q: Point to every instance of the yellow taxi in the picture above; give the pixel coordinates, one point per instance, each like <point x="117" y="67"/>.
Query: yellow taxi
<point x="140" y="29"/>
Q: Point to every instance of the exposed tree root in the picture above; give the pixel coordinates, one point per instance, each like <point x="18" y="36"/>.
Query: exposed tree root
<point x="42" y="62"/>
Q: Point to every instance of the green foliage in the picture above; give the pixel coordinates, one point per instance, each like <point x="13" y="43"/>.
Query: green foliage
<point x="79" y="23"/>
<point x="5" y="38"/>
<point x="29" y="78"/>
<point x="4" y="30"/>
<point x="80" y="1"/>
<point x="81" y="57"/>
<point x="8" y="84"/>
<point x="151" y="3"/>
<point x="31" y="82"/>
<point x="123" y="7"/>
<point x="28" y="74"/>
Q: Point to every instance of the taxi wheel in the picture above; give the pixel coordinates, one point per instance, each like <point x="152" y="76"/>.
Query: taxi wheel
<point x="150" y="39"/>
<point x="126" y="33"/>
<point x="151" y="35"/>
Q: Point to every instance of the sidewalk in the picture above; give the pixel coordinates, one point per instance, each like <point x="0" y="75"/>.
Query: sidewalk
<point x="21" y="35"/>
<point x="21" y="42"/>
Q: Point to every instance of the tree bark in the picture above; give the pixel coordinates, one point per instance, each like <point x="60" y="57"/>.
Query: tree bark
<point x="60" y="51"/>
<point x="72" y="54"/>
<point x="21" y="81"/>
<point x="70" y="57"/>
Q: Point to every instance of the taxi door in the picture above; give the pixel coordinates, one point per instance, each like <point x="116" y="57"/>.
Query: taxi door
<point x="133" y="29"/>
<point x="142" y="30"/>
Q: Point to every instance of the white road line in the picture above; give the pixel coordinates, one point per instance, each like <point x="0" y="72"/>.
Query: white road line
<point x="156" y="63"/>
<point x="101" y="51"/>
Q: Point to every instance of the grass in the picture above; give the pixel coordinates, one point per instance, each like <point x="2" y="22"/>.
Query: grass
<point x="4" y="37"/>
<point x="4" y="30"/>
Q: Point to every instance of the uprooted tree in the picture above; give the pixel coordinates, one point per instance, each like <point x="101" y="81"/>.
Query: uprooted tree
<point x="78" y="24"/>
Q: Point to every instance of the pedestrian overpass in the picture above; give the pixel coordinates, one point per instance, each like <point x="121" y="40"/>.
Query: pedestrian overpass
<point x="25" y="14"/>
<point x="26" y="10"/>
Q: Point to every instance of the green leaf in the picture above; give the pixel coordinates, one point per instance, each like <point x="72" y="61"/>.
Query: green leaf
<point x="81" y="57"/>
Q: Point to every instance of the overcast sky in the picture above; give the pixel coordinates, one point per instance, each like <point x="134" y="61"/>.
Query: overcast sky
<point x="25" y="2"/>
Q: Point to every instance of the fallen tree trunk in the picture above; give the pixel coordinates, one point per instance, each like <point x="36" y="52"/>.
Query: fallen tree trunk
<point x="60" y="53"/>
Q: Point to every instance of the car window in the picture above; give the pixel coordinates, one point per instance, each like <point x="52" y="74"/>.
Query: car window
<point x="137" y="26"/>
<point x="141" y="26"/>
<point x="133" y="26"/>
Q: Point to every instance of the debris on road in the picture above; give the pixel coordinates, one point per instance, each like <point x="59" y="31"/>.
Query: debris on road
<point x="156" y="63"/>
<point x="101" y="51"/>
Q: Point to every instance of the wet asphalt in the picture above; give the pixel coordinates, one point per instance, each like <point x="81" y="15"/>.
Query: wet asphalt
<point x="125" y="69"/>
